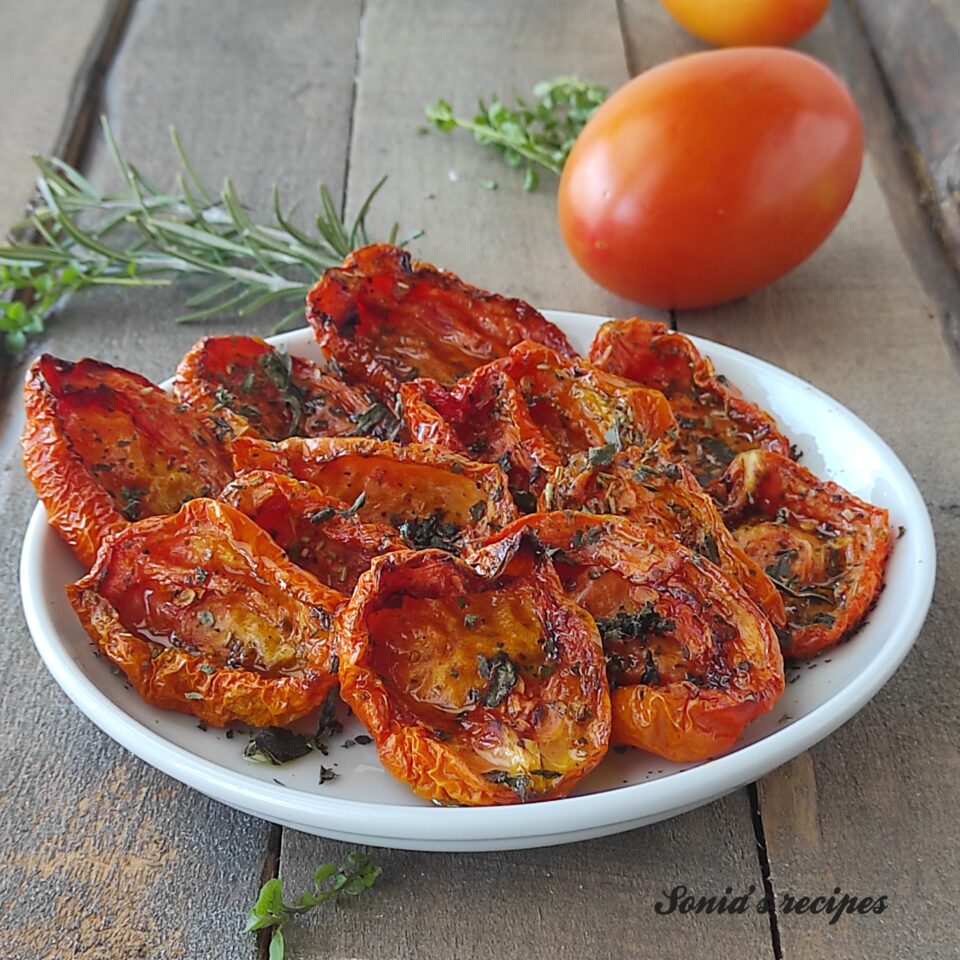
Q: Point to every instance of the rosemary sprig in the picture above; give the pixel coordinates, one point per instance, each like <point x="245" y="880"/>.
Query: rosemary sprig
<point x="358" y="873"/>
<point x="529" y="135"/>
<point x="76" y="237"/>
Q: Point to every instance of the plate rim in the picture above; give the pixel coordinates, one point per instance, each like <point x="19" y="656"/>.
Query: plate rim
<point x="461" y="828"/>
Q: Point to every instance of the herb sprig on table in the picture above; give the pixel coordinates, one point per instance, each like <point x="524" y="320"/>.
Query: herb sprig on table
<point x="356" y="874"/>
<point x="529" y="134"/>
<point x="76" y="237"/>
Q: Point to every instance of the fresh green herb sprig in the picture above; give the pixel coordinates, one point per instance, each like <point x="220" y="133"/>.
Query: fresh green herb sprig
<point x="76" y="237"/>
<point x="356" y="874"/>
<point x="529" y="134"/>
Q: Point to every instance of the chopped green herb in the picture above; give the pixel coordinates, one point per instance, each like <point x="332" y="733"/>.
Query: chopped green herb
<point x="354" y="507"/>
<point x="501" y="675"/>
<point x="276" y="746"/>
<point x="519" y="783"/>
<point x="602" y="456"/>
<point x="636" y="625"/>
<point x="322" y="515"/>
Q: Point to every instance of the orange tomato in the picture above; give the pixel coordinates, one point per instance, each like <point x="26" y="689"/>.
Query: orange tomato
<point x="206" y="615"/>
<point x="690" y="659"/>
<point x="747" y="23"/>
<point x="477" y="690"/>
<point x="710" y="176"/>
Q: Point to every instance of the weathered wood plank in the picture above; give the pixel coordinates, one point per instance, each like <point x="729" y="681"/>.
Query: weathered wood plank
<point x="44" y="47"/>
<point x="863" y="810"/>
<point x="593" y="899"/>
<point x="596" y="898"/>
<point x="104" y="856"/>
<point x="918" y="47"/>
<point x="504" y="239"/>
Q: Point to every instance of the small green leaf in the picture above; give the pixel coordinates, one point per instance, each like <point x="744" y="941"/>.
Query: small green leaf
<point x="528" y="134"/>
<point x="75" y="237"/>
<point x="268" y="908"/>
<point x="276" y="945"/>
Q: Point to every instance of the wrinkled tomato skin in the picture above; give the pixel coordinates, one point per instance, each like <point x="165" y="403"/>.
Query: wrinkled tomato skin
<point x="708" y="663"/>
<point x="411" y="642"/>
<point x="399" y="485"/>
<point x="579" y="406"/>
<point x="484" y="417"/>
<point x="386" y="319"/>
<point x="317" y="532"/>
<point x="666" y="496"/>
<point x="205" y="615"/>
<point x="245" y="387"/>
<point x="748" y="23"/>
<point x="104" y="446"/>
<point x="713" y="421"/>
<point x="710" y="176"/>
<point x="826" y="548"/>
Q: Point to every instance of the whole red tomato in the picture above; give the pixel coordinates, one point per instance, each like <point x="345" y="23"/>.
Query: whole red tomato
<point x="710" y="176"/>
<point x="747" y="23"/>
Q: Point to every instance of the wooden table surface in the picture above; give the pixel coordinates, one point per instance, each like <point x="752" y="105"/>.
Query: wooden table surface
<point x="106" y="858"/>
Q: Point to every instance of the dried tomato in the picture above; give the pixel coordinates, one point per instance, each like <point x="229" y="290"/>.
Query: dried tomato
<point x="714" y="422"/>
<point x="665" y="495"/>
<point x="823" y="548"/>
<point x="579" y="407"/>
<point x="690" y="659"/>
<point x="205" y="614"/>
<point x="318" y="533"/>
<point x="486" y="418"/>
<point x="477" y="690"/>
<point x="104" y="446"/>
<point x="433" y="497"/>
<point x="386" y="319"/>
<point x="245" y="387"/>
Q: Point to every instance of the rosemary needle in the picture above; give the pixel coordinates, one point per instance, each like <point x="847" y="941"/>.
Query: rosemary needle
<point x="76" y="237"/>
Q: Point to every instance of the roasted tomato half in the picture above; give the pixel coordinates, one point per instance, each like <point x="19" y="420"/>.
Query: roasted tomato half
<point x="319" y="533"/>
<point x="823" y="548"/>
<point x="205" y="614"/>
<point x="477" y="691"/>
<point x="104" y="446"/>
<point x="245" y="387"/>
<point x="665" y="495"/>
<point x="486" y="418"/>
<point x="432" y="497"/>
<point x="579" y="407"/>
<point x="714" y="422"/>
<point x="691" y="660"/>
<point x="385" y="319"/>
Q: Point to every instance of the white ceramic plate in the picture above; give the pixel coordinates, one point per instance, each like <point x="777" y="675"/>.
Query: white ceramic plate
<point x="366" y="805"/>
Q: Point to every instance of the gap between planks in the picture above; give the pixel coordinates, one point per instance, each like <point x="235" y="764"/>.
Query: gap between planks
<point x="75" y="133"/>
<point x="901" y="171"/>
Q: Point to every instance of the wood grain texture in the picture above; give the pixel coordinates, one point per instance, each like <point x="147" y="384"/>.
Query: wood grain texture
<point x="414" y="53"/>
<point x="591" y="899"/>
<point x="105" y="858"/>
<point x="44" y="47"/>
<point x="868" y="809"/>
<point x="918" y="48"/>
